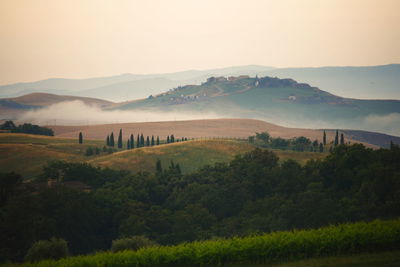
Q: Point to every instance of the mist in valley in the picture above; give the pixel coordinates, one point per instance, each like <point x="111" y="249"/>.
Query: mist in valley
<point x="79" y="113"/>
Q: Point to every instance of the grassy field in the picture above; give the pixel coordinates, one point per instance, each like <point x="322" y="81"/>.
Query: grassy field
<point x="190" y="155"/>
<point x="233" y="128"/>
<point x="27" y="154"/>
<point x="263" y="250"/>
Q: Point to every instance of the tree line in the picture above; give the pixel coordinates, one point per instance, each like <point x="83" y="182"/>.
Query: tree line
<point x="27" y="128"/>
<point x="301" y="143"/>
<point x="253" y="193"/>
<point x="141" y="140"/>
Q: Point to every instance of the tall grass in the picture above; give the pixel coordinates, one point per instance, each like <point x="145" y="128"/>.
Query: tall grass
<point x="269" y="248"/>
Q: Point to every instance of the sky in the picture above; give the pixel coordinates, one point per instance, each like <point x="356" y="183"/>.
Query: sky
<point x="42" y="39"/>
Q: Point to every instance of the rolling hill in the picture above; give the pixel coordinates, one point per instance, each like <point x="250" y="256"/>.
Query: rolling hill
<point x="11" y="107"/>
<point x="36" y="151"/>
<point x="370" y="82"/>
<point x="231" y="128"/>
<point x="190" y="155"/>
<point x="27" y="154"/>
<point x="219" y="128"/>
<point x="42" y="99"/>
<point x="280" y="101"/>
<point x="125" y="86"/>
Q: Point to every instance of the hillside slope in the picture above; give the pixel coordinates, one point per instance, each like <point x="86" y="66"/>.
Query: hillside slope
<point x="217" y="128"/>
<point x="11" y="107"/>
<point x="119" y="87"/>
<point x="280" y="101"/>
<point x="43" y="99"/>
<point x="231" y="128"/>
<point x="27" y="154"/>
<point x="380" y="82"/>
<point x="372" y="82"/>
<point x="190" y="155"/>
<point x="36" y="151"/>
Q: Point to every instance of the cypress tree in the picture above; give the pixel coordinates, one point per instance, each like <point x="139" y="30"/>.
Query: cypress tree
<point x="147" y="141"/>
<point x="152" y="140"/>
<point x="80" y="138"/>
<point x="120" y="139"/>
<point x="158" y="140"/>
<point x="324" y="138"/>
<point x="337" y="138"/>
<point x="341" y="139"/>
<point x="141" y="140"/>
<point x="138" y="141"/>
<point x="168" y="139"/>
<point x="172" y="138"/>
<point x="132" y="141"/>
<point x="128" y="144"/>
<point x="108" y="141"/>
<point x="321" y="147"/>
<point x="112" y="139"/>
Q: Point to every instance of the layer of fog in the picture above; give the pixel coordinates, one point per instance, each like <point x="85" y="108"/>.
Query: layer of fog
<point x="387" y="124"/>
<point x="78" y="113"/>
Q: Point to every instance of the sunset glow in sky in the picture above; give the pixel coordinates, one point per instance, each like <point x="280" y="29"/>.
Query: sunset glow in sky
<point x="41" y="39"/>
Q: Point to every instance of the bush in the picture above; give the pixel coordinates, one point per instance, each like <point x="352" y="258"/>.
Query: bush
<point x="89" y="151"/>
<point x="132" y="243"/>
<point x="56" y="248"/>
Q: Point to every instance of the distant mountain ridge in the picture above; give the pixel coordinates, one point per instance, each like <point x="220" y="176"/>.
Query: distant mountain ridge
<point x="380" y="82"/>
<point x="114" y="87"/>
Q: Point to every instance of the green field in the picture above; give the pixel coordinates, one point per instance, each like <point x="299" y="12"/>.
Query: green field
<point x="27" y="154"/>
<point x="263" y="250"/>
<point x="190" y="155"/>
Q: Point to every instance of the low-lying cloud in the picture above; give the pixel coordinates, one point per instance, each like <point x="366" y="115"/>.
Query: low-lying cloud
<point x="389" y="123"/>
<point x="78" y="113"/>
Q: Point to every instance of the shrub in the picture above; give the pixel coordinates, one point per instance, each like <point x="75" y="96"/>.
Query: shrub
<point x="132" y="243"/>
<point x="55" y="248"/>
<point x="89" y="151"/>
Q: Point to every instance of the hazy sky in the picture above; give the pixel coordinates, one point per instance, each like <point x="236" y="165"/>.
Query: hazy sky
<point x="40" y="39"/>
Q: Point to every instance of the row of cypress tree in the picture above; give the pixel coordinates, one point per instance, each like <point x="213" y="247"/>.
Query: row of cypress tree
<point x="336" y="142"/>
<point x="141" y="141"/>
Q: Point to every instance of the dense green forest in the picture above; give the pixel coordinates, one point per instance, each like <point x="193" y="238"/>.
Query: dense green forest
<point x="254" y="193"/>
